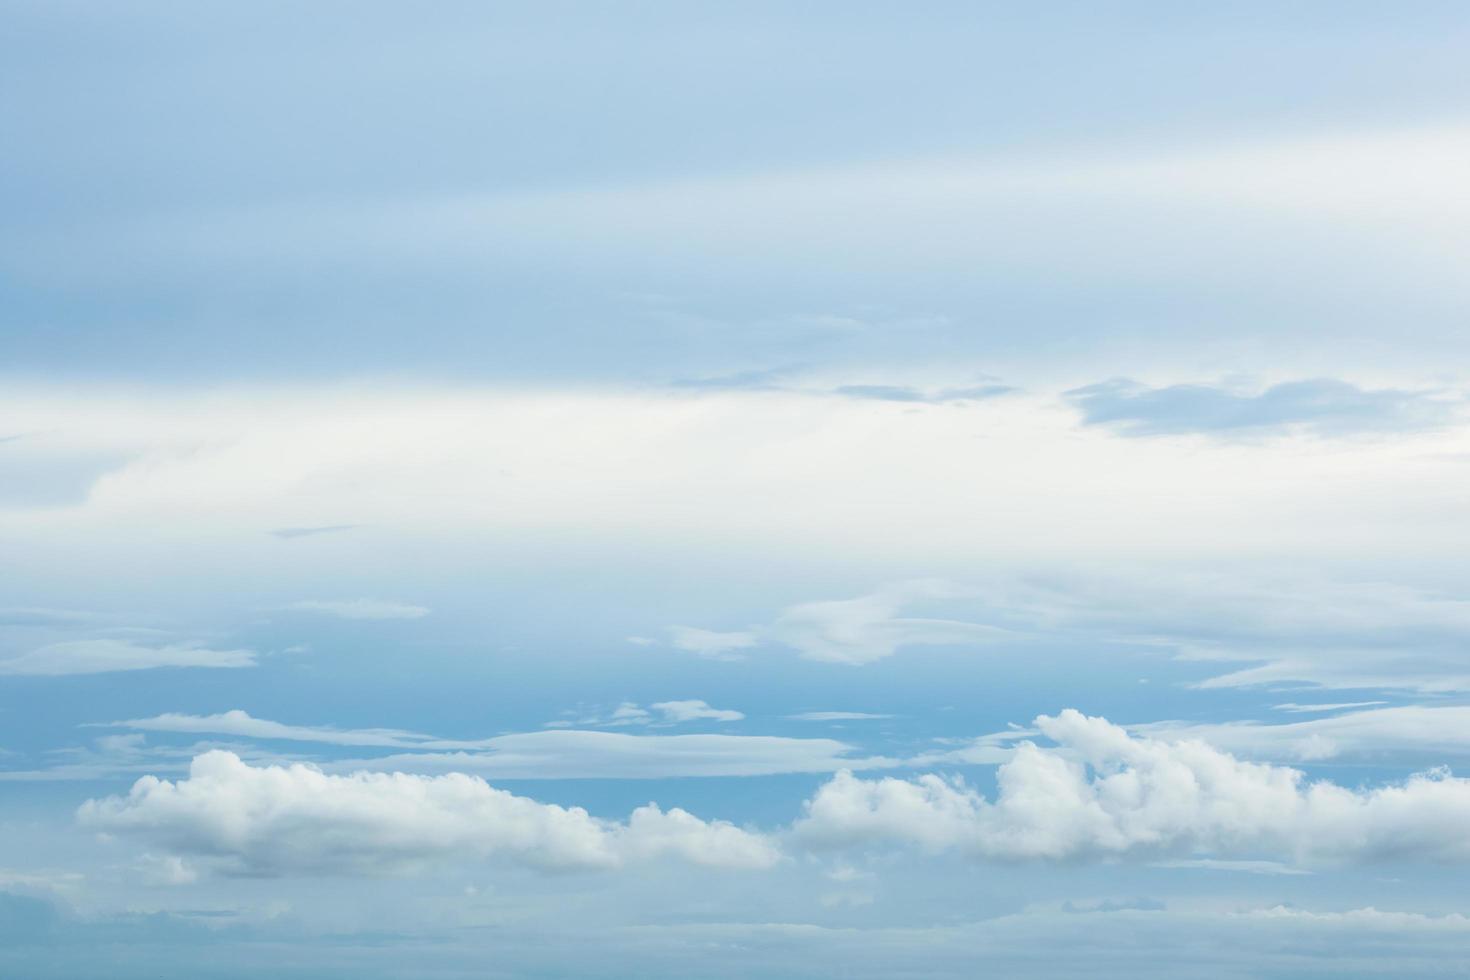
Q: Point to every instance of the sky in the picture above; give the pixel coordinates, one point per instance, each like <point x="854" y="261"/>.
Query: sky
<point x="694" y="490"/>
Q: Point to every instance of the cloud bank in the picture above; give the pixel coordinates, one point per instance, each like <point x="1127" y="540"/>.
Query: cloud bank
<point x="275" y="820"/>
<point x="1103" y="794"/>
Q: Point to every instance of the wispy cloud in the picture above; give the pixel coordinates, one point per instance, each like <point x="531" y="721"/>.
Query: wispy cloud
<point x="659" y="713"/>
<point x="1321" y="406"/>
<point x="555" y="754"/>
<point x="361" y="608"/>
<point x="106" y="655"/>
<point x="306" y="532"/>
<point x="899" y="393"/>
<point x="836" y="716"/>
<point x="712" y="644"/>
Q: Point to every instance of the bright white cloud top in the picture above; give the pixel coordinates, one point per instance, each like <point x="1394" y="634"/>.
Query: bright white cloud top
<point x="1104" y="793"/>
<point x="296" y="819"/>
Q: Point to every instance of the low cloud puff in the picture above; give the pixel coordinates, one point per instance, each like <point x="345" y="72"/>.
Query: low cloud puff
<point x="276" y="820"/>
<point x="1103" y="793"/>
<point x="1321" y="406"/>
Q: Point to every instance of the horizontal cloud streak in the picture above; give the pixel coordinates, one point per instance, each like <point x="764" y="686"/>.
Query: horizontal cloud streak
<point x="1321" y="406"/>
<point x="556" y="754"/>
<point x="100" y="656"/>
<point x="361" y="608"/>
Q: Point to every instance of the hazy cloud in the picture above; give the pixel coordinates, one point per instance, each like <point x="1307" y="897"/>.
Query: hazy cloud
<point x="97" y="656"/>
<point x="361" y="608"/>
<point x="1321" y="406"/>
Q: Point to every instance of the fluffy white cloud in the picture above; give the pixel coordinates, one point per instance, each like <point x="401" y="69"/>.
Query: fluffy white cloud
<point x="289" y="819"/>
<point x="105" y="655"/>
<point x="361" y="608"/>
<point x="1103" y="793"/>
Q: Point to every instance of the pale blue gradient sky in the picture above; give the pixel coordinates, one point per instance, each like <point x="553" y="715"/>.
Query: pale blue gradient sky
<point x="681" y="403"/>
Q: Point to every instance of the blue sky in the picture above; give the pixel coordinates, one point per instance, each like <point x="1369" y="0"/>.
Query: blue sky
<point x="682" y="490"/>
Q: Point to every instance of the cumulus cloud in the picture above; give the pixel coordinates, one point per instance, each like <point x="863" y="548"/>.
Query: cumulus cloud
<point x="1321" y="406"/>
<point x="105" y="655"/>
<point x="277" y="820"/>
<point x="361" y="608"/>
<point x="1105" y="793"/>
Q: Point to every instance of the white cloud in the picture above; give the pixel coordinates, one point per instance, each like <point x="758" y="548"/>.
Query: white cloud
<point x="1247" y="867"/>
<point x="627" y="466"/>
<point x="240" y="723"/>
<point x="556" y="754"/>
<point x="105" y="655"/>
<point x="1295" y="708"/>
<point x="570" y="754"/>
<point x="297" y="819"/>
<point x="1131" y="796"/>
<point x="361" y="608"/>
<point x="710" y="643"/>
<point x="628" y="713"/>
<point x="851" y="631"/>
<point x="1282" y="630"/>
<point x="1412" y="728"/>
<point x="165" y="869"/>
<point x="681" y="711"/>
<point x="868" y="628"/>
